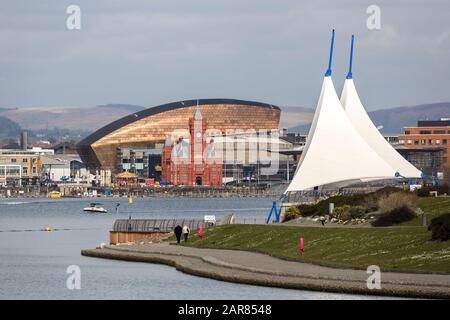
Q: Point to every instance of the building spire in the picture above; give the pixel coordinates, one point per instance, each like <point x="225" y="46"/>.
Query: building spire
<point x="349" y="74"/>
<point x="198" y="114"/>
<point x="328" y="73"/>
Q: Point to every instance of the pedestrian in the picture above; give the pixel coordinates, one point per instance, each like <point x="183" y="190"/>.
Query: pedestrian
<point x="186" y="232"/>
<point x="322" y="220"/>
<point x="177" y="232"/>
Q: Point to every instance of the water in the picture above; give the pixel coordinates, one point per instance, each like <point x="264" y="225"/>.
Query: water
<point x="33" y="263"/>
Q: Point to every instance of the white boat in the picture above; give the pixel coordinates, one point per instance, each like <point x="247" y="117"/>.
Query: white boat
<point x="95" y="207"/>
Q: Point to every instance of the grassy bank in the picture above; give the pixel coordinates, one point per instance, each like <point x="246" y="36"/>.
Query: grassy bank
<point x="397" y="249"/>
<point x="432" y="207"/>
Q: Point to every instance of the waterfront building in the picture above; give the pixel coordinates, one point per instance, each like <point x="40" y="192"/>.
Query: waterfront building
<point x="335" y="153"/>
<point x="192" y="161"/>
<point x="428" y="134"/>
<point x="105" y="151"/>
<point x="18" y="167"/>
<point x="344" y="147"/>
<point x="429" y="140"/>
<point x="63" y="168"/>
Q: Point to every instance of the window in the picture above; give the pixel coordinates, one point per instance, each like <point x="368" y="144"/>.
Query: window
<point x="439" y="131"/>
<point x="24" y="170"/>
<point x="409" y="141"/>
<point x="438" y="141"/>
<point x="444" y="141"/>
<point x="34" y="170"/>
<point x="430" y="141"/>
<point x="425" y="132"/>
<point x="423" y="141"/>
<point x="416" y="142"/>
<point x="13" y="160"/>
<point x="401" y="141"/>
<point x="407" y="132"/>
<point x="24" y="160"/>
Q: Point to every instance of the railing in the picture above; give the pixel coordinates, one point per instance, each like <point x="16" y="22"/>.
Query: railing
<point x="154" y="225"/>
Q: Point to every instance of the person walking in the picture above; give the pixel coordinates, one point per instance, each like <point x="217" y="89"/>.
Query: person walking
<point x="322" y="220"/>
<point x="186" y="232"/>
<point x="177" y="232"/>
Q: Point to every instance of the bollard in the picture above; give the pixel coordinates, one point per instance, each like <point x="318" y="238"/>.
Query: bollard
<point x="301" y="246"/>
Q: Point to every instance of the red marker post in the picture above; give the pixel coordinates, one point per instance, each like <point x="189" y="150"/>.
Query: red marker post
<point x="200" y="233"/>
<point x="301" y="246"/>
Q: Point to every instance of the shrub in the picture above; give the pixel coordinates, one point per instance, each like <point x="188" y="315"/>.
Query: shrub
<point x="369" y="201"/>
<point x="291" y="213"/>
<point x="397" y="200"/>
<point x="425" y="190"/>
<point x="342" y="212"/>
<point x="357" y="212"/>
<point x="440" y="228"/>
<point x="395" y="216"/>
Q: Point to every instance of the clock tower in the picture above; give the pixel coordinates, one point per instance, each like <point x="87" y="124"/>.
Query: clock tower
<point x="197" y="129"/>
<point x="198" y="164"/>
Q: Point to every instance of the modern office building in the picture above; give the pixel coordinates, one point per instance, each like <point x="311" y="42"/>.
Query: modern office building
<point x="431" y="140"/>
<point x="19" y="166"/>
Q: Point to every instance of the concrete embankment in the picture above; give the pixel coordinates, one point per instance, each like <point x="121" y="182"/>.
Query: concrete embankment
<point x="259" y="269"/>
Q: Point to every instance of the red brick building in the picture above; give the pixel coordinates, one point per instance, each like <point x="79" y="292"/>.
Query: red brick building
<point x="192" y="161"/>
<point x="429" y="135"/>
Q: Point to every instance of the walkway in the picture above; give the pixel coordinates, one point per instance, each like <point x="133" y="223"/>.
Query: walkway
<point x="261" y="269"/>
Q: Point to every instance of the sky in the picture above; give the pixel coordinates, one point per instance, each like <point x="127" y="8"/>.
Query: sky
<point x="153" y="52"/>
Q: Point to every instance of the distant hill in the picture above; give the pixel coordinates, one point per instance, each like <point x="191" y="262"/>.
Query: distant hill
<point x="73" y="118"/>
<point x="6" y="109"/>
<point x="129" y="107"/>
<point x="393" y="120"/>
<point x="9" y="128"/>
<point x="295" y="119"/>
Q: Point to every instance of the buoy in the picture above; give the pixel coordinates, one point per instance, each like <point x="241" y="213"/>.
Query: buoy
<point x="47" y="229"/>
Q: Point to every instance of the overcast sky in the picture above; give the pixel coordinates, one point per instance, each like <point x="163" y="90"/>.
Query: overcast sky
<point x="152" y="52"/>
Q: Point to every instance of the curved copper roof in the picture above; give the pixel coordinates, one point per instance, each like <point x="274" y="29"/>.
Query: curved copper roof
<point x="163" y="108"/>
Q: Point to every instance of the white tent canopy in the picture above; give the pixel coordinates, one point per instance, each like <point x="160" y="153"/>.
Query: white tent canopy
<point x="362" y="123"/>
<point x="335" y="151"/>
<point x="343" y="146"/>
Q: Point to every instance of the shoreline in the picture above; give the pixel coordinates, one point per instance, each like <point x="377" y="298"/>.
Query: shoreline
<point x="259" y="269"/>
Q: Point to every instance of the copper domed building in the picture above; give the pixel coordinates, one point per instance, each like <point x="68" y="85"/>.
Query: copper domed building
<point x="148" y="129"/>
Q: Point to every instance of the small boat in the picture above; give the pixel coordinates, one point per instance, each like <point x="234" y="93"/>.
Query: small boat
<point x="95" y="207"/>
<point x="54" y="194"/>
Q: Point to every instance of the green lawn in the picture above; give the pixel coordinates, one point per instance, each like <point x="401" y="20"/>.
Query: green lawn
<point x="432" y="207"/>
<point x="398" y="248"/>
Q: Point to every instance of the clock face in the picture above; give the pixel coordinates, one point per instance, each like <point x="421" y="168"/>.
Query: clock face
<point x="198" y="135"/>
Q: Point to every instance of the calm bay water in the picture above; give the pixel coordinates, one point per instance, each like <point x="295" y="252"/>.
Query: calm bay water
<point x="33" y="263"/>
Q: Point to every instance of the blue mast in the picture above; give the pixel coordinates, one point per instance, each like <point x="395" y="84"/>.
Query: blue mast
<point x="328" y="73"/>
<point x="349" y="74"/>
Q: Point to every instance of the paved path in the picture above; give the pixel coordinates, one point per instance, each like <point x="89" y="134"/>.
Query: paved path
<point x="261" y="269"/>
